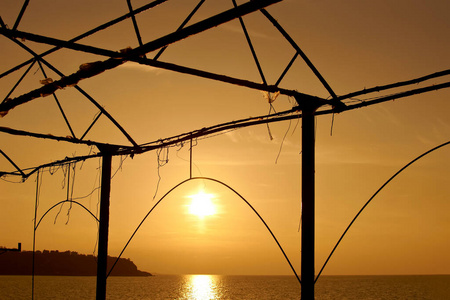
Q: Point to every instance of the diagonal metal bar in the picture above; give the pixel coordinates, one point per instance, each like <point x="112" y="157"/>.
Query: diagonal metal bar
<point x="44" y="90"/>
<point x="287" y="69"/>
<point x="57" y="42"/>
<point x="12" y="162"/>
<point x="252" y="49"/>
<point x="181" y="27"/>
<point x="135" y="25"/>
<point x="111" y="63"/>
<point x="22" y="11"/>
<point x="90" y="126"/>
<point x="201" y="26"/>
<point x="58" y="103"/>
<point x="20" y="80"/>
<point x="303" y="56"/>
<point x="86" y="34"/>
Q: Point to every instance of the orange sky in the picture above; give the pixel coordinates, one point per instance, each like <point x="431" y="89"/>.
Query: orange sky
<point x="354" y="44"/>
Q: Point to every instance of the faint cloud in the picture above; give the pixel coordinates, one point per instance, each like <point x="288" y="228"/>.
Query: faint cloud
<point x="232" y="136"/>
<point x="380" y="112"/>
<point x="238" y="29"/>
<point x="438" y="133"/>
<point x="142" y="68"/>
<point x="248" y="136"/>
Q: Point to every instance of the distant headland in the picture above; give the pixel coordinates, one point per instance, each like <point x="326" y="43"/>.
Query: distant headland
<point x="68" y="263"/>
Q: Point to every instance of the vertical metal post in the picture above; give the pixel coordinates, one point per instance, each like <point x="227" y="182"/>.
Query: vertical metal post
<point x="103" y="226"/>
<point x="308" y="205"/>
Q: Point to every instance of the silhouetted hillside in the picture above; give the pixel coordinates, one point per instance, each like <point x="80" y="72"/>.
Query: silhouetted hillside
<point x="57" y="263"/>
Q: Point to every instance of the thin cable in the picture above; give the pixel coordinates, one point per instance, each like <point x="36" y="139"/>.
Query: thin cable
<point x="373" y="196"/>
<point x="34" y="232"/>
<point x="230" y="188"/>
<point x="98" y="204"/>
<point x="284" y="137"/>
<point x="161" y="163"/>
<point x="66" y="175"/>
<point x="119" y="168"/>
<point x="71" y="192"/>
<point x="190" y="159"/>
<point x="332" y="124"/>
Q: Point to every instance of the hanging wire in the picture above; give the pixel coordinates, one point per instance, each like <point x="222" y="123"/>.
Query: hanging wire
<point x="119" y="168"/>
<point x="373" y="196"/>
<point x="282" y="141"/>
<point x="99" y="177"/>
<point x="332" y="124"/>
<point x="66" y="172"/>
<point x="190" y="159"/>
<point x="193" y="143"/>
<point x="71" y="192"/>
<point x="161" y="163"/>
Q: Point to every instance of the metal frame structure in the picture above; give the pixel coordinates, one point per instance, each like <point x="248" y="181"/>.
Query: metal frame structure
<point x="307" y="108"/>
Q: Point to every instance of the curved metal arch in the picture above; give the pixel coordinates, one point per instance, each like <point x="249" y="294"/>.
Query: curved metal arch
<point x="373" y="196"/>
<point x="227" y="186"/>
<point x="60" y="203"/>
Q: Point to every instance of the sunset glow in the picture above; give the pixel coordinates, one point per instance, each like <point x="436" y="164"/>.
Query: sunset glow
<point x="193" y="104"/>
<point x="202" y="204"/>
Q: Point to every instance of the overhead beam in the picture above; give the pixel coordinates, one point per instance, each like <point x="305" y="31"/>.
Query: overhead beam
<point x="395" y="85"/>
<point x="126" y="150"/>
<point x="58" y="138"/>
<point x="96" y="68"/>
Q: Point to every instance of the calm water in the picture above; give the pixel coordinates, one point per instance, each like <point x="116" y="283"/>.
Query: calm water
<point x="227" y="287"/>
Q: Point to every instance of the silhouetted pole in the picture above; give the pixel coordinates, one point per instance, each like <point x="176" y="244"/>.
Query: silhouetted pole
<point x="104" y="226"/>
<point x="308" y="199"/>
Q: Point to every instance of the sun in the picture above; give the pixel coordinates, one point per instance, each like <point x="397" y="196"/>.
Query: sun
<point x="202" y="205"/>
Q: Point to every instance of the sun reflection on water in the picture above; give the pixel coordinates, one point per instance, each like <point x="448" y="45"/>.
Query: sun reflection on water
<point x="202" y="287"/>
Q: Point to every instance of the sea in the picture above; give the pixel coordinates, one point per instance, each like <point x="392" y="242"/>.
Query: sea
<point x="198" y="287"/>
